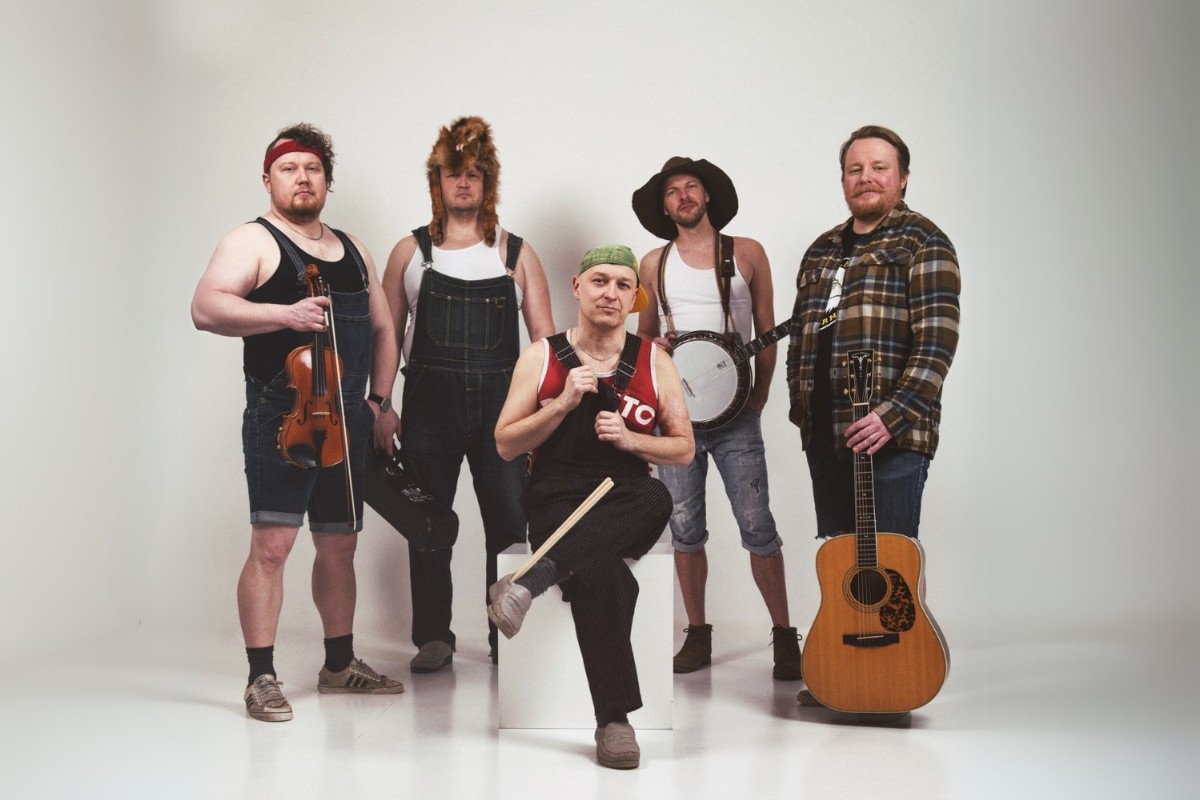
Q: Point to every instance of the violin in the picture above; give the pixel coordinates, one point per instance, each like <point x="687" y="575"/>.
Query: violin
<point x="313" y="433"/>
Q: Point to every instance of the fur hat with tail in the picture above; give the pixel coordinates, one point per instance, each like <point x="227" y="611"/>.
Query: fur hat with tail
<point x="466" y="144"/>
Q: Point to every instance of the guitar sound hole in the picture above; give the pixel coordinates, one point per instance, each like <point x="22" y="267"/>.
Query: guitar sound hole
<point x="868" y="588"/>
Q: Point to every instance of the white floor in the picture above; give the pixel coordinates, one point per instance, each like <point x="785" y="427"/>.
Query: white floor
<point x="150" y="713"/>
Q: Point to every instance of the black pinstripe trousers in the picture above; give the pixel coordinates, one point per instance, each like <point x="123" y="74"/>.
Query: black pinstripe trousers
<point x="602" y="591"/>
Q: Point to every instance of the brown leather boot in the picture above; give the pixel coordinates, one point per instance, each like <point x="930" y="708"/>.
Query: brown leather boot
<point x="697" y="649"/>
<point x="787" y="654"/>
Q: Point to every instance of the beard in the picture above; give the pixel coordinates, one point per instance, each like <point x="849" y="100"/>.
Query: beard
<point x="690" y="218"/>
<point x="872" y="204"/>
<point x="303" y="209"/>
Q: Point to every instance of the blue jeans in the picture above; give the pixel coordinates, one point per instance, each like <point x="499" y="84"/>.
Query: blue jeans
<point x="899" y="483"/>
<point x="737" y="450"/>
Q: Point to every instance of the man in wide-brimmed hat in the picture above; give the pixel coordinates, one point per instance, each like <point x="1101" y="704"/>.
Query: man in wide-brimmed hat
<point x="456" y="288"/>
<point x="702" y="280"/>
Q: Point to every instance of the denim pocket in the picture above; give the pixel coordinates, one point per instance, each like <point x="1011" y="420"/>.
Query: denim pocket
<point x="473" y="323"/>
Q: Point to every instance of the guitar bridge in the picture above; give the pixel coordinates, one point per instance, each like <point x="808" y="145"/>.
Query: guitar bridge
<point x="870" y="639"/>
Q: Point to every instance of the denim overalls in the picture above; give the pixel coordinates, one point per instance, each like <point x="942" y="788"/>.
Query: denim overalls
<point x="464" y="346"/>
<point x="281" y="492"/>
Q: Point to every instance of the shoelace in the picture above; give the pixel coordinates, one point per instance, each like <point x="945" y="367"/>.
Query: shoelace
<point x="266" y="691"/>
<point x="363" y="671"/>
<point x="784" y="638"/>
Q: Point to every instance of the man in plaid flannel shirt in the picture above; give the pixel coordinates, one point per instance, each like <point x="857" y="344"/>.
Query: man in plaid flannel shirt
<point x="885" y="280"/>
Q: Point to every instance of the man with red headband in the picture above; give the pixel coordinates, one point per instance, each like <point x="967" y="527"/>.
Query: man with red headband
<point x="254" y="288"/>
<point x="457" y="288"/>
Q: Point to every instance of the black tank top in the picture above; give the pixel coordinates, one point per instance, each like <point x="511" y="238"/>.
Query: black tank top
<point x="264" y="354"/>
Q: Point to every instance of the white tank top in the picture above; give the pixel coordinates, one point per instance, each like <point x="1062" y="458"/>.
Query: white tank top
<point x="696" y="302"/>
<point x="475" y="263"/>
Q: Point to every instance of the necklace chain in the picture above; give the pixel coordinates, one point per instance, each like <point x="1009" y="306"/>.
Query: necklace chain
<point x="580" y="347"/>
<point x="302" y="233"/>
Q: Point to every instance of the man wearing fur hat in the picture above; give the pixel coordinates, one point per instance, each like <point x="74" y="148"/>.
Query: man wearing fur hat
<point x="588" y="403"/>
<point x="455" y="288"/>
<point x="702" y="280"/>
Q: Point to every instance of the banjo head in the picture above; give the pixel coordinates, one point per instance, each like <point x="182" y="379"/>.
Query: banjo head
<point x="715" y="383"/>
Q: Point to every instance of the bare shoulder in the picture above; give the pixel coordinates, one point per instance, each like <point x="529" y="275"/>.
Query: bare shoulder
<point x="243" y="259"/>
<point x="664" y="365"/>
<point x="652" y="258"/>
<point x="529" y="365"/>
<point x="401" y="254"/>
<point x="745" y="247"/>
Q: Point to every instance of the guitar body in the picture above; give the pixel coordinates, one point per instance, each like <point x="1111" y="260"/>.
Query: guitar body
<point x="873" y="647"/>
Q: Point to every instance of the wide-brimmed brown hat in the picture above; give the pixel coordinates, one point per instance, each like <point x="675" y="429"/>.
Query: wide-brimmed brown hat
<point x="722" y="197"/>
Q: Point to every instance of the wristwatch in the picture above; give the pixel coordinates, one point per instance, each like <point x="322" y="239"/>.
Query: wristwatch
<point x="384" y="403"/>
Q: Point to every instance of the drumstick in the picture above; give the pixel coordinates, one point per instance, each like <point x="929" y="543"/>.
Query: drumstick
<point x="568" y="523"/>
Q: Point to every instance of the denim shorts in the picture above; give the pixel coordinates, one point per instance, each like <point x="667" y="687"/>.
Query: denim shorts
<point x="281" y="492"/>
<point x="737" y="450"/>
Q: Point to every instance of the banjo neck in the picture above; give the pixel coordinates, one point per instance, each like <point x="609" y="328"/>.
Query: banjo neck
<point x="757" y="345"/>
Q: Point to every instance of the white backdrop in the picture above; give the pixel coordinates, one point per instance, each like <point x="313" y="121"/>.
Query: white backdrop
<point x="1052" y="142"/>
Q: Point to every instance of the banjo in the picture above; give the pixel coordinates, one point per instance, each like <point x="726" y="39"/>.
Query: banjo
<point x="716" y="373"/>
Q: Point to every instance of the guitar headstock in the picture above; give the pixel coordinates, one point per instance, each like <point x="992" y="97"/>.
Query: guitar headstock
<point x="860" y="374"/>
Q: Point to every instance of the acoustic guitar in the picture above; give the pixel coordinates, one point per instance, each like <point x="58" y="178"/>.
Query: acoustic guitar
<point x="873" y="647"/>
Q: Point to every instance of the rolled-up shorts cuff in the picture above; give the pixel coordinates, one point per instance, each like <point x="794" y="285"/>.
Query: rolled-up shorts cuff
<point x="335" y="527"/>
<point x="769" y="549"/>
<point x="689" y="547"/>
<point x="280" y="518"/>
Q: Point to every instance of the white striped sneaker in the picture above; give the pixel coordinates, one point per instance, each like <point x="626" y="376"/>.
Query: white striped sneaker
<point x="358" y="678"/>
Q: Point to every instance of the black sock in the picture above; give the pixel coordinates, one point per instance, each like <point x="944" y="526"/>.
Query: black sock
<point x="607" y="715"/>
<point x="541" y="576"/>
<point x="339" y="652"/>
<point x="262" y="661"/>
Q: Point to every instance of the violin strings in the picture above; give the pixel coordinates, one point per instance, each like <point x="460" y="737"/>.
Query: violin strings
<point x="337" y="368"/>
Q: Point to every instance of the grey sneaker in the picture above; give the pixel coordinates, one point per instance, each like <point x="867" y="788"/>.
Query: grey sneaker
<point x="358" y="678"/>
<point x="265" y="700"/>
<point x="510" y="603"/>
<point x="431" y="657"/>
<point x="617" y="747"/>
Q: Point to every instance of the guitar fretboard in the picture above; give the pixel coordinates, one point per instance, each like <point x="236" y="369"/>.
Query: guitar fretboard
<point x="860" y="374"/>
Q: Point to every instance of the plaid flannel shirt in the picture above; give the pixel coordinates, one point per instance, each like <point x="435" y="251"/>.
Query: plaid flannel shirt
<point x="900" y="299"/>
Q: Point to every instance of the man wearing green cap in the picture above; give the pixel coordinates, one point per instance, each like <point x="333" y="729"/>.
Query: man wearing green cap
<point x="704" y="281"/>
<point x="586" y="404"/>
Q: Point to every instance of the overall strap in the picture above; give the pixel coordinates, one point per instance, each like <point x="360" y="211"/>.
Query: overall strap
<point x="514" y="252"/>
<point x="285" y="245"/>
<point x="425" y="242"/>
<point x="724" y="273"/>
<point x="662" y="288"/>
<point x="352" y="250"/>
<point x="626" y="367"/>
<point x="628" y="363"/>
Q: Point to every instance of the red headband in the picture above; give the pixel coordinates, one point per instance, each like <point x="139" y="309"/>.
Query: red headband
<point x="285" y="147"/>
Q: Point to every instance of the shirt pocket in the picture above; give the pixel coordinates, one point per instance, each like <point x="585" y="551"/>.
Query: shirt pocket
<point x="881" y="279"/>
